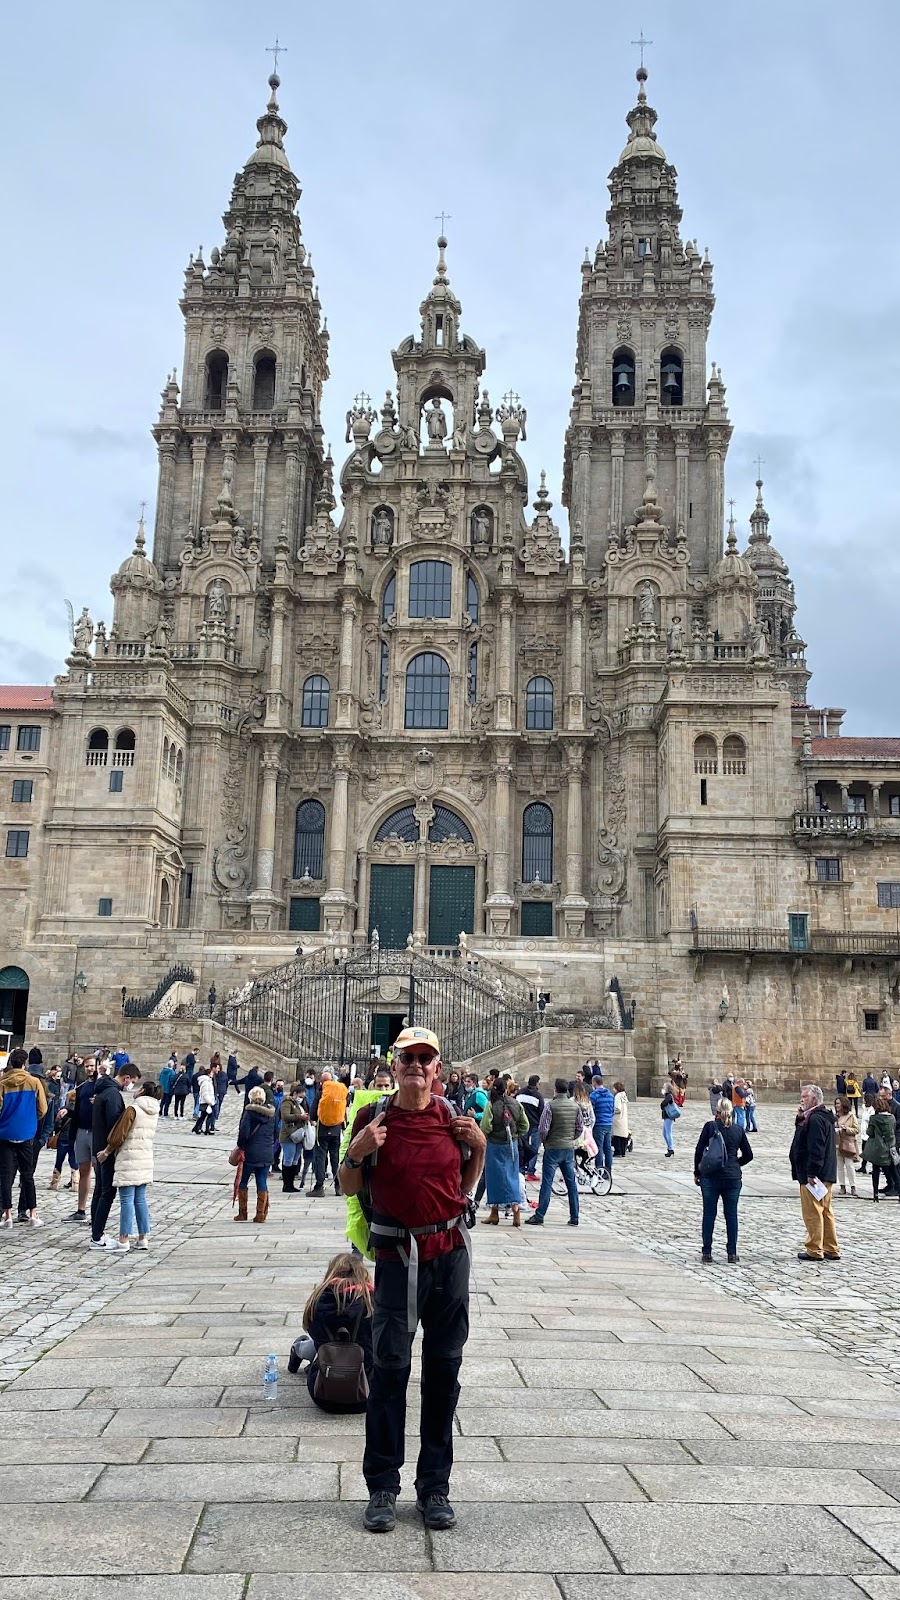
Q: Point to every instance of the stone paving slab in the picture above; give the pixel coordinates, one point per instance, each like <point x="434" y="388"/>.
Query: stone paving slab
<point x="734" y="1486"/>
<point x="510" y="1484"/>
<point x="222" y="1482"/>
<point x="34" y="1544"/>
<point x="647" y="1538"/>
<point x="29" y="1483"/>
<point x="543" y="1422"/>
<point x="552" y="1538"/>
<point x="143" y="1587"/>
<point x="731" y="1587"/>
<point x="228" y="1538"/>
<point x="184" y="1423"/>
<point x="412" y="1586"/>
<point x="880" y="1529"/>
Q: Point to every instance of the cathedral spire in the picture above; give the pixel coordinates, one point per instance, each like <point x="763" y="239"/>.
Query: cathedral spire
<point x="759" y="519"/>
<point x="642" y="142"/>
<point x="272" y="128"/>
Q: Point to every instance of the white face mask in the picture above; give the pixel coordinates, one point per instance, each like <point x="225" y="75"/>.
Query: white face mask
<point x="310" y="1082"/>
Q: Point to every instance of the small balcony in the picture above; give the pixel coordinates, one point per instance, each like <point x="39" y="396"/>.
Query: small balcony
<point x="815" y="824"/>
<point x="795" y="941"/>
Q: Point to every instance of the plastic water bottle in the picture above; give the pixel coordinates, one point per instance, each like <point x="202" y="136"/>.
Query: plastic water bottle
<point x="270" y="1379"/>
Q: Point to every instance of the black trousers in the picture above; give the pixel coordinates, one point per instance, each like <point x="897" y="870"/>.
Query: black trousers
<point x="328" y="1147"/>
<point x="443" y="1306"/>
<point x="103" y="1196"/>
<point x="17" y="1155"/>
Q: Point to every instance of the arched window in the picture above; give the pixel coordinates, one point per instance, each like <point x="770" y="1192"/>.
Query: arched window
<point x="473" y="599"/>
<point x="706" y="754"/>
<point x="123" y="754"/>
<point x="389" y="598"/>
<point x="623" y="378"/>
<point x="445" y="824"/>
<point x="400" y="824"/>
<point x="264" y="382"/>
<point x="671" y="378"/>
<point x="216" y="380"/>
<point x="165" y="760"/>
<point x="430" y="588"/>
<point x="309" y="839"/>
<point x="315" y="703"/>
<point x="539" y="704"/>
<point x="97" y="747"/>
<point x="734" y="756"/>
<point x="165" y="904"/>
<point x="537" y="844"/>
<point x="427" y="691"/>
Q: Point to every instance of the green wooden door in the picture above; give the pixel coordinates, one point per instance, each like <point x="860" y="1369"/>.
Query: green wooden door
<point x="391" y="891"/>
<point x="536" y="920"/>
<point x="451" y="903"/>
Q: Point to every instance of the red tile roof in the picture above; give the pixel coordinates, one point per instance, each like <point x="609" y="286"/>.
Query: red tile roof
<point x="25" y="697"/>
<point x="841" y="749"/>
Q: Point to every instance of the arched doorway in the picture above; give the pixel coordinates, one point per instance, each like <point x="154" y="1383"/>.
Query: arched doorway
<point x="14" y="986"/>
<point x="422" y="877"/>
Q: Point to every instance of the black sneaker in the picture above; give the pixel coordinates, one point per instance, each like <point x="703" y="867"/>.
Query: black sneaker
<point x="707" y="1256"/>
<point x="293" y="1361"/>
<point x="534" y="1222"/>
<point x="380" y="1515"/>
<point x="317" y="1191"/>
<point x="734" y="1260"/>
<point x="76" y="1216"/>
<point x="437" y="1512"/>
<point x="22" y="1216"/>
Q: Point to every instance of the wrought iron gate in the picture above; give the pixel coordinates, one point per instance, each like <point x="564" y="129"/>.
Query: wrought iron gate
<point x="321" y="1010"/>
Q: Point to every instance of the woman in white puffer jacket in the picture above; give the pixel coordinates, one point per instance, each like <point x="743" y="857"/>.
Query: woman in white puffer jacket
<point x="134" y="1169"/>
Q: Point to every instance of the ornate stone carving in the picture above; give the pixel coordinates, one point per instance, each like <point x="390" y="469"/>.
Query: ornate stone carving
<point x="321" y="554"/>
<point x="542" y="552"/>
<point x="231" y="863"/>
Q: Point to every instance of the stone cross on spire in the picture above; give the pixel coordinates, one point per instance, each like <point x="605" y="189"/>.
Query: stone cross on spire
<point x="641" y="42"/>
<point x="277" y="50"/>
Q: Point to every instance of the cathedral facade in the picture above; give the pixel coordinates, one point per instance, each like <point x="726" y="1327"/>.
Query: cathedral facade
<point x="386" y="697"/>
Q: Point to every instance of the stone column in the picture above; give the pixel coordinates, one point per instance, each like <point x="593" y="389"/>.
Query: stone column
<point x="505" y="663"/>
<point x="617" y="487"/>
<point x="344" y="716"/>
<point x="264" y="902"/>
<point x="876" y="799"/>
<point x="575" y="708"/>
<point x="291" y="482"/>
<point x="165" y="499"/>
<point x="651" y="458"/>
<point x="845" y="797"/>
<point x="420" y="925"/>
<point x="199" y="449"/>
<point x="574" y="905"/>
<point x="260" y="459"/>
<point x="715" y="489"/>
<point x="362" y="897"/>
<point x="500" y="901"/>
<point x="682" y="459"/>
<point x="335" y="899"/>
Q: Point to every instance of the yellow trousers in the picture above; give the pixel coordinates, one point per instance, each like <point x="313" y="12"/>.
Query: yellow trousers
<point x="821" y="1237"/>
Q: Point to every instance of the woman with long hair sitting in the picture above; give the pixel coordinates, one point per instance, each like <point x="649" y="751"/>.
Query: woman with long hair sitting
<point x="339" y="1311"/>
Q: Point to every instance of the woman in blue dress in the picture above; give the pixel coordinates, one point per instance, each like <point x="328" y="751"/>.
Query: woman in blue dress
<point x="504" y="1122"/>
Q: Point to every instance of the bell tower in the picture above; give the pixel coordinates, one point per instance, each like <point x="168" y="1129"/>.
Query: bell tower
<point x="255" y="362"/>
<point x="642" y="410"/>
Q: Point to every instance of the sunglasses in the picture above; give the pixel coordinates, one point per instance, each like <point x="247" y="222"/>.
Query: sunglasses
<point x="424" y="1056"/>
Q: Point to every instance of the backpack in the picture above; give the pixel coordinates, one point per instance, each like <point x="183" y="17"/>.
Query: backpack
<point x="506" y="1121"/>
<point x="332" y="1104"/>
<point x="341" y="1379"/>
<point x="714" y="1157"/>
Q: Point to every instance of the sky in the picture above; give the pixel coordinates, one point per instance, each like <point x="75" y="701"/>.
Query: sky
<point x="125" y="125"/>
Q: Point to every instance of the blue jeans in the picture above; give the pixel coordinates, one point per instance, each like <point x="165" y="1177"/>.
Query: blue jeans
<point x="739" y="1118"/>
<point x="565" y="1161"/>
<point x="133" y="1213"/>
<point x="603" y="1141"/>
<point x="668" y="1130"/>
<point x="730" y="1192"/>
<point x="261" y="1175"/>
<point x="751" y="1120"/>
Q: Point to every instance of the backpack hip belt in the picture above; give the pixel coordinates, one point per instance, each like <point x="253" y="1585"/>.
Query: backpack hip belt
<point x="387" y="1228"/>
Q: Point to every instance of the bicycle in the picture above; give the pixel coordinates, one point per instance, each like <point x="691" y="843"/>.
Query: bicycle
<point x="588" y="1176"/>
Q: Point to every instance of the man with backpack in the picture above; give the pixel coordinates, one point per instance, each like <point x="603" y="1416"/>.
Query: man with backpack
<point x="330" y="1113"/>
<point x="532" y="1102"/>
<point x="413" y="1163"/>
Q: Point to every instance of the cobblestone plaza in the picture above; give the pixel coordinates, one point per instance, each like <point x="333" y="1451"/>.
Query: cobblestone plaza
<point x="630" y="1421"/>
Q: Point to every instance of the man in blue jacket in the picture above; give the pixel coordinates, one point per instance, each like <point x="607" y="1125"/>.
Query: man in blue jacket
<point x="23" y="1105"/>
<point x="604" y="1104"/>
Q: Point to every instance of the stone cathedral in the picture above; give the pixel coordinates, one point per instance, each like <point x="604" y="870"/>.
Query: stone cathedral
<point x="383" y="695"/>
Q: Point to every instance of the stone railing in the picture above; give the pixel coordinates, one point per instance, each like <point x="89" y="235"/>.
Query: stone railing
<point x="824" y="822"/>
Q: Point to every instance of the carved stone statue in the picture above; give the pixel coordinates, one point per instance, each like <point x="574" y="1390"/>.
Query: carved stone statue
<point x="382" y="529"/>
<point x="647" y="606"/>
<point x="409" y="439"/>
<point x="436" y="422"/>
<point x="84" y="633"/>
<point x="460" y="434"/>
<point x="760" y="640"/>
<point x="217" y="602"/>
<point x="481" y="526"/>
<point x="676" y="637"/>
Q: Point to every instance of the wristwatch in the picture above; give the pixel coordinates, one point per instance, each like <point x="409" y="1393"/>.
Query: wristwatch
<point x="349" y="1162"/>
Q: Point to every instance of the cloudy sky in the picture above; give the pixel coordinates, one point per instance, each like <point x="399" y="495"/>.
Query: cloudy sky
<point x="126" y="124"/>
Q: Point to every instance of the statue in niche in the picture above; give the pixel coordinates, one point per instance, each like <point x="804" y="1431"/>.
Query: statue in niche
<point x="647" y="606"/>
<point x="482" y="529"/>
<point x="217" y="602"/>
<point x="382" y="529"/>
<point x="409" y="439"/>
<point x="436" y="422"/>
<point x="760" y="640"/>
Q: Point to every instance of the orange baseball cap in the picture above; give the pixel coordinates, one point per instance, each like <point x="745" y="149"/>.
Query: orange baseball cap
<point x="411" y="1036"/>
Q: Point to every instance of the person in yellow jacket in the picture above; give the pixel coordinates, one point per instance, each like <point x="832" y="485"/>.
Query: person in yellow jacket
<point x="357" y="1227"/>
